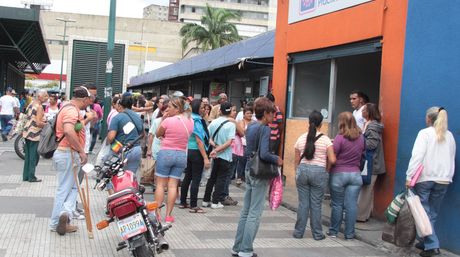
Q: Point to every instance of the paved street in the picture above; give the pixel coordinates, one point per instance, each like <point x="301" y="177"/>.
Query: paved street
<point x="26" y="208"/>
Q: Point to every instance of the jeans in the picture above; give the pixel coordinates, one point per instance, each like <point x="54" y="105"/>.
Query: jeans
<point x="94" y="131"/>
<point x="253" y="206"/>
<point x="241" y="166"/>
<point x="6" y="126"/>
<point x="30" y="160"/>
<point x="345" y="187"/>
<point x="431" y="195"/>
<point x="311" y="182"/>
<point x="217" y="181"/>
<point x="66" y="191"/>
<point x="193" y="172"/>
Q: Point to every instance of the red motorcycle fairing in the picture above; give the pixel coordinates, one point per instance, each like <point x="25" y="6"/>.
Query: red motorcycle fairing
<point x="124" y="203"/>
<point x="124" y="180"/>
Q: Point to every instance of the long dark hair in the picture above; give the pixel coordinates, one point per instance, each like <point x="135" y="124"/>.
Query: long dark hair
<point x="314" y="119"/>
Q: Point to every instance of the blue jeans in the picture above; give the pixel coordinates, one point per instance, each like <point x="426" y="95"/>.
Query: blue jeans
<point x="431" y="195"/>
<point x="311" y="182"/>
<point x="6" y="126"/>
<point x="345" y="187"/>
<point x="66" y="191"/>
<point x="253" y="206"/>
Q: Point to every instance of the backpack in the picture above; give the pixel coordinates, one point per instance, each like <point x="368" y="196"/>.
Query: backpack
<point x="48" y="141"/>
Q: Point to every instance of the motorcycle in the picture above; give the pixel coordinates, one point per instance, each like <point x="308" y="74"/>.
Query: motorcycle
<point x="140" y="229"/>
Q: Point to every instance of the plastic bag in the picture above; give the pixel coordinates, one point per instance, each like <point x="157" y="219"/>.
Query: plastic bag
<point x="404" y="234"/>
<point x="276" y="191"/>
<point x="422" y="222"/>
<point x="392" y="211"/>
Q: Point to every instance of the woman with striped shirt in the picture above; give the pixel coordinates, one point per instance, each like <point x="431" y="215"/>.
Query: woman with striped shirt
<point x="314" y="152"/>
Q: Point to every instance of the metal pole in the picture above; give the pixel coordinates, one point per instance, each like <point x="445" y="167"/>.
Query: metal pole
<point x="109" y="66"/>
<point x="62" y="57"/>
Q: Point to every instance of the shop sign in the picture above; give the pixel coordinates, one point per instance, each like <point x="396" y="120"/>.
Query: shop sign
<point x="306" y="9"/>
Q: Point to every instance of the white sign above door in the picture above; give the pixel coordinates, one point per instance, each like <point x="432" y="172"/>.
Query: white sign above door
<point x="306" y="9"/>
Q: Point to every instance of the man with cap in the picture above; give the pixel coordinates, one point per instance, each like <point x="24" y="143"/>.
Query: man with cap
<point x="215" y="111"/>
<point x="9" y="107"/>
<point x="222" y="132"/>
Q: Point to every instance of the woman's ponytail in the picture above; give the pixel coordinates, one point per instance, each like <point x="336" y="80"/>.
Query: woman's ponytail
<point x="314" y="119"/>
<point x="438" y="118"/>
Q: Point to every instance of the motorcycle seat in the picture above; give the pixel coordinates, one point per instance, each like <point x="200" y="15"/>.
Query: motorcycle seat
<point x="121" y="193"/>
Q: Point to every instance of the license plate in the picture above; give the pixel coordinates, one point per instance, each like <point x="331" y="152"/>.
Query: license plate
<point x="131" y="226"/>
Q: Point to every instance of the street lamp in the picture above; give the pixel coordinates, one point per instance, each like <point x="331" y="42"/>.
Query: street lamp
<point x="63" y="45"/>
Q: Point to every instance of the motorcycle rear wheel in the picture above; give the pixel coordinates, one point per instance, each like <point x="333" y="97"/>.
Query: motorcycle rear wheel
<point x="143" y="251"/>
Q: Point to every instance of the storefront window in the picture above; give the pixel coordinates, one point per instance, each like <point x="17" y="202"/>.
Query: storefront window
<point x="311" y="87"/>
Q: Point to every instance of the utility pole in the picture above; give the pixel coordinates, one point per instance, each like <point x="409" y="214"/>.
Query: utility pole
<point x="109" y="66"/>
<point x="63" y="46"/>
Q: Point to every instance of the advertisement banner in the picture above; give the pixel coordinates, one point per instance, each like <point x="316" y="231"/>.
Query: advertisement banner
<point x="306" y="9"/>
<point x="215" y="88"/>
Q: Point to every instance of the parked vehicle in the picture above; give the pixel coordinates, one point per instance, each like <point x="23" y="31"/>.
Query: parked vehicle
<point x="140" y="229"/>
<point x="19" y="146"/>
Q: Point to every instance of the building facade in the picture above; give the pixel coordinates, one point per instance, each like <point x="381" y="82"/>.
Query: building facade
<point x="400" y="52"/>
<point x="156" y="12"/>
<point x="255" y="14"/>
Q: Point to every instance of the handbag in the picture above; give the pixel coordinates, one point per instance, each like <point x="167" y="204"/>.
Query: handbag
<point x="259" y="168"/>
<point x="392" y="211"/>
<point x="366" y="172"/>
<point x="276" y="191"/>
<point x="404" y="234"/>
<point x="422" y="222"/>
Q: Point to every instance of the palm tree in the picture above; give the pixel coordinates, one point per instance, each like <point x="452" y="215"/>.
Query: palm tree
<point x="214" y="31"/>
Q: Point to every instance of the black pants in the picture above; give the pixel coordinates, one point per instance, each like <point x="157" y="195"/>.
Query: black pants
<point x="193" y="172"/>
<point x="217" y="181"/>
<point x="94" y="132"/>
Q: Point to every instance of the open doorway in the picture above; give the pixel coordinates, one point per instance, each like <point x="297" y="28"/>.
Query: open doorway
<point x="356" y="72"/>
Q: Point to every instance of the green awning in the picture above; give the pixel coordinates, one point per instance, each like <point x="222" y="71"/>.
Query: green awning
<point x="21" y="39"/>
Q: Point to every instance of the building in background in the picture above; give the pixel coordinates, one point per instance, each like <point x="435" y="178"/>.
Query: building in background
<point x="173" y="10"/>
<point x="156" y="12"/>
<point x="255" y="14"/>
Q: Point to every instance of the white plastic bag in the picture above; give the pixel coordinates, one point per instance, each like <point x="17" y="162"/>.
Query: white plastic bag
<point x="422" y="222"/>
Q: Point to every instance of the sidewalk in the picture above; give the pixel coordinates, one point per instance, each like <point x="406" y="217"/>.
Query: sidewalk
<point x="26" y="208"/>
<point x="369" y="232"/>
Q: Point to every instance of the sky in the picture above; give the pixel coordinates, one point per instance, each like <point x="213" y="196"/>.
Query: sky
<point x="125" y="8"/>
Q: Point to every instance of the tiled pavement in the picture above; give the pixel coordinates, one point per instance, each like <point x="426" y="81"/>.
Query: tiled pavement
<point x="25" y="209"/>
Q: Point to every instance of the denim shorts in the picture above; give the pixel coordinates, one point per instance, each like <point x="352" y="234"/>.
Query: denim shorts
<point x="170" y="163"/>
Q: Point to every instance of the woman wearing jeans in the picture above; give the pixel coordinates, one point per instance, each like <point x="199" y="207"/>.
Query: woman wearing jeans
<point x="346" y="181"/>
<point x="197" y="158"/>
<point x="434" y="148"/>
<point x="256" y="189"/>
<point x="174" y="132"/>
<point x="313" y="151"/>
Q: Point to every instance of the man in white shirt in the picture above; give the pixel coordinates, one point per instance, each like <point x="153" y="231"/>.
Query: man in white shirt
<point x="8" y="108"/>
<point x="358" y="99"/>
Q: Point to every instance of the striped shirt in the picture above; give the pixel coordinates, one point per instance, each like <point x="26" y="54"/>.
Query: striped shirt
<point x="31" y="129"/>
<point x="321" y="145"/>
<point x="274" y="125"/>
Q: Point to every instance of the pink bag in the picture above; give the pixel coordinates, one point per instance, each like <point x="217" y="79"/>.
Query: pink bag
<point x="276" y="192"/>
<point x="417" y="174"/>
<point x="422" y="222"/>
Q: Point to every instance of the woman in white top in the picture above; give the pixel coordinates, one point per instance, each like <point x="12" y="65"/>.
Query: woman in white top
<point x="434" y="148"/>
<point x="313" y="153"/>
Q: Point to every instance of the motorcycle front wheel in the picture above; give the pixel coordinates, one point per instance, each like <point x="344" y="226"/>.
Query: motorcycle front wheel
<point x="19" y="146"/>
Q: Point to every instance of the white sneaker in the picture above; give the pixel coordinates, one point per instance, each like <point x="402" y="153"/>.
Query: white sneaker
<point x="217" y="206"/>
<point x="206" y="204"/>
<point x="78" y="216"/>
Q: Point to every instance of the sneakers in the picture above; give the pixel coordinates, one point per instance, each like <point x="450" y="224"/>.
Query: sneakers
<point x="332" y="235"/>
<point x="77" y="215"/>
<point x="239" y="182"/>
<point x="229" y="201"/>
<point x="206" y="204"/>
<point x="217" y="206"/>
<point x="61" y="228"/>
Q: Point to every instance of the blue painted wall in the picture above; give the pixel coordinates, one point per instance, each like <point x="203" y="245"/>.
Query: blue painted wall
<point x="431" y="77"/>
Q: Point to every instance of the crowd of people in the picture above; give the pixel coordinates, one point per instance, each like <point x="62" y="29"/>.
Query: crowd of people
<point x="186" y="137"/>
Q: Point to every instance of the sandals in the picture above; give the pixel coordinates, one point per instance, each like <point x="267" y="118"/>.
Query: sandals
<point x="196" y="210"/>
<point x="184" y="206"/>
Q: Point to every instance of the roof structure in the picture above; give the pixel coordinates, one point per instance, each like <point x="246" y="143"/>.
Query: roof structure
<point x="259" y="47"/>
<point x="21" y="39"/>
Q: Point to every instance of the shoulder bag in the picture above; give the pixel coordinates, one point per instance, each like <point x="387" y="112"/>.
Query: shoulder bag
<point x="259" y="168"/>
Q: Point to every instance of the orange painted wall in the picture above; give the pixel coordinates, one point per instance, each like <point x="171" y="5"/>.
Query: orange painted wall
<point x="379" y="18"/>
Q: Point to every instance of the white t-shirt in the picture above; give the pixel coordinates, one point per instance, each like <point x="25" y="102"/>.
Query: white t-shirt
<point x="360" y="121"/>
<point x="8" y="103"/>
<point x="240" y="116"/>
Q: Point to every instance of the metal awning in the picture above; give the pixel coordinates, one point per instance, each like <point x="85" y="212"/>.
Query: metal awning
<point x="21" y="39"/>
<point x="259" y="47"/>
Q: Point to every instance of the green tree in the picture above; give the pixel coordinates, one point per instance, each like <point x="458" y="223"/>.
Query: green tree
<point x="214" y="31"/>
